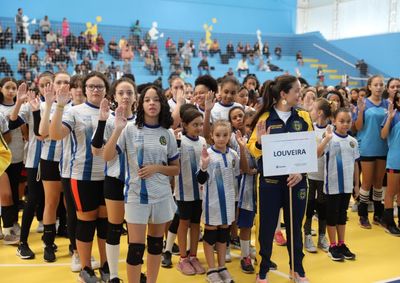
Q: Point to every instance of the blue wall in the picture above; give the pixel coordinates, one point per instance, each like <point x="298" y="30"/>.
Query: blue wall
<point x="233" y="16"/>
<point x="381" y="51"/>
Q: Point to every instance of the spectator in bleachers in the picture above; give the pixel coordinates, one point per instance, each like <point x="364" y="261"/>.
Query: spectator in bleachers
<point x="186" y="51"/>
<point x="59" y="58"/>
<point x="19" y="25"/>
<point x="203" y="66"/>
<point x="136" y="31"/>
<point x="148" y="62"/>
<point x="168" y="43"/>
<point x="278" y="52"/>
<point x="299" y="58"/>
<point x="34" y="64"/>
<point x="249" y="51"/>
<point x="230" y="50"/>
<point x="1" y="38"/>
<point x="22" y="67"/>
<point x="157" y="65"/>
<point x="48" y="62"/>
<point x="5" y="68"/>
<point x="122" y="42"/>
<point x="82" y="45"/>
<point x="113" y="49"/>
<point x="203" y="48"/>
<point x="51" y="50"/>
<point x="100" y="43"/>
<point x="256" y="48"/>
<point x="118" y="73"/>
<point x="230" y="72"/>
<point x="265" y="50"/>
<point x="320" y="76"/>
<point x="101" y="66"/>
<point x="45" y="27"/>
<point x="51" y="37"/>
<point x="127" y="53"/>
<point x="187" y="66"/>
<point x="240" y="48"/>
<point x="242" y="66"/>
<point x="153" y="48"/>
<point x="111" y="71"/>
<point x="72" y="56"/>
<point x="172" y="51"/>
<point x="274" y="68"/>
<point x="144" y="49"/>
<point x="214" y="48"/>
<point x="262" y="66"/>
<point x="6" y="38"/>
<point x="175" y="64"/>
<point x="193" y="47"/>
<point x="88" y="65"/>
<point x="126" y="67"/>
<point x="93" y="49"/>
<point x="65" y="28"/>
<point x="181" y="43"/>
<point x="23" y="55"/>
<point x="70" y="41"/>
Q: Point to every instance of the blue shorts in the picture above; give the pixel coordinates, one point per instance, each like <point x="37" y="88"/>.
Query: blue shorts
<point x="245" y="218"/>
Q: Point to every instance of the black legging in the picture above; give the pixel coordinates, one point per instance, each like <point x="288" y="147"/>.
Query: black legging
<point x="35" y="202"/>
<point x="71" y="211"/>
<point x="10" y="214"/>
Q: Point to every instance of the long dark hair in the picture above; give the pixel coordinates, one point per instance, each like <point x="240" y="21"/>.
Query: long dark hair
<point x="271" y="94"/>
<point x="3" y="82"/>
<point x="164" y="118"/>
<point x="113" y="91"/>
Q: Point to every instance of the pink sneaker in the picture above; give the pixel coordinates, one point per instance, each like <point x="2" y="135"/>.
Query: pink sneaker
<point x="185" y="267"/>
<point x="258" y="280"/>
<point x="300" y="279"/>
<point x="279" y="239"/>
<point x="198" y="268"/>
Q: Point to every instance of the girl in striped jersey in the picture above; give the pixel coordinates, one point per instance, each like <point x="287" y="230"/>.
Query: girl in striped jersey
<point x="391" y="132"/>
<point x="188" y="193"/>
<point x="151" y="155"/>
<point x="10" y="179"/>
<point x="340" y="151"/>
<point x="87" y="171"/>
<point x="124" y="94"/>
<point x="31" y="112"/>
<point x="219" y="169"/>
<point x="49" y="162"/>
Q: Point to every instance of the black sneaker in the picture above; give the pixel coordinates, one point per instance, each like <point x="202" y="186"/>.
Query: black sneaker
<point x="49" y="254"/>
<point x="166" y="260"/>
<point x="393" y="230"/>
<point x="344" y="250"/>
<point x="273" y="265"/>
<point x="105" y="272"/>
<point x="235" y="243"/>
<point x="115" y="280"/>
<point x="143" y="278"/>
<point x="246" y="265"/>
<point x="364" y="222"/>
<point x="335" y="254"/>
<point x="378" y="221"/>
<point x="175" y="249"/>
<point x="24" y="252"/>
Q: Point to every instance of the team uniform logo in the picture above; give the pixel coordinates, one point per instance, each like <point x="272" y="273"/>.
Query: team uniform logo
<point x="163" y="140"/>
<point x="297" y="126"/>
<point x="352" y="144"/>
<point x="302" y="194"/>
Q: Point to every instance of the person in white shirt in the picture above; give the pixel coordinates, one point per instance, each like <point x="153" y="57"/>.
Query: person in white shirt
<point x="242" y="66"/>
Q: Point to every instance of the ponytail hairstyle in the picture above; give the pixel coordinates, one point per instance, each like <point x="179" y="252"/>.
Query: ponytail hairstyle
<point x="327" y="107"/>
<point x="271" y="94"/>
<point x="369" y="82"/>
<point x="341" y="99"/>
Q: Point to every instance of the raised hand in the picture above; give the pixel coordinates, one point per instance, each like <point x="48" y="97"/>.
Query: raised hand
<point x="262" y="130"/>
<point x="329" y="133"/>
<point x="120" y="119"/>
<point x="33" y="100"/>
<point x="209" y="101"/>
<point x="360" y="104"/>
<point x="104" y="111"/>
<point x="180" y="96"/>
<point x="241" y="140"/>
<point x="205" y="158"/>
<point x="48" y="94"/>
<point x="63" y="95"/>
<point x="178" y="133"/>
<point x="22" y="93"/>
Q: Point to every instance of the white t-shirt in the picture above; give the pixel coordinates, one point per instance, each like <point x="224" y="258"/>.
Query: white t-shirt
<point x="319" y="175"/>
<point x="284" y="116"/>
<point x="221" y="111"/>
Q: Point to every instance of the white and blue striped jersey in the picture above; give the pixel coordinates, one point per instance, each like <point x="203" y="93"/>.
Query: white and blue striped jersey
<point x="187" y="188"/>
<point x="221" y="111"/>
<point x="393" y="157"/>
<point x="34" y="145"/>
<point x="340" y="155"/>
<point x="141" y="147"/>
<point x="369" y="137"/>
<point x="319" y="175"/>
<point x="3" y="124"/>
<point x="51" y="149"/>
<point x="17" y="142"/>
<point x="82" y="120"/>
<point x="66" y="154"/>
<point x="116" y="167"/>
<point x="219" y="192"/>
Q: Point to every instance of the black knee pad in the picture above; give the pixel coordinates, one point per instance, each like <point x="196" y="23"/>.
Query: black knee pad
<point x="135" y="254"/>
<point x="114" y="233"/>
<point x="210" y="236"/>
<point x="101" y="224"/>
<point x="85" y="230"/>
<point x="154" y="245"/>
<point x="223" y="235"/>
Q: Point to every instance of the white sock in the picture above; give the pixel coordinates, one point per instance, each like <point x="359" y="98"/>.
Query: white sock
<point x="112" y="252"/>
<point x="245" y="248"/>
<point x="170" y="241"/>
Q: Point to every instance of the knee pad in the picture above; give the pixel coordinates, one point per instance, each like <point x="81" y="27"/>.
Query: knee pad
<point x="85" y="230"/>
<point x="154" y="245"/>
<point x="173" y="227"/>
<point x="223" y="235"/>
<point x="114" y="233"/>
<point x="101" y="224"/>
<point x="210" y="236"/>
<point x="135" y="254"/>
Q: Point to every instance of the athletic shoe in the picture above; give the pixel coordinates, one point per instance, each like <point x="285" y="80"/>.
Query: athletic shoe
<point x="344" y="250"/>
<point x="24" y="252"/>
<point x="225" y="275"/>
<point x="309" y="244"/>
<point x="228" y="257"/>
<point x="143" y="278"/>
<point x="40" y="227"/>
<point x="75" y="263"/>
<point x="94" y="263"/>
<point x="213" y="277"/>
<point x="10" y="239"/>
<point x="335" y="254"/>
<point x="323" y="243"/>
<point x="62" y="231"/>
<point x="253" y="252"/>
<point x="364" y="222"/>
<point x="87" y="275"/>
<point x="258" y="280"/>
<point x="235" y="243"/>
<point x="194" y="261"/>
<point x="105" y="272"/>
<point x="378" y="221"/>
<point x="175" y="249"/>
<point x="49" y="254"/>
<point x="246" y="265"/>
<point x="166" y="260"/>
<point x="279" y="239"/>
<point x="16" y="229"/>
<point x="185" y="267"/>
<point x="392" y="230"/>
<point x="272" y="265"/>
<point x="300" y="279"/>
<point x="354" y="207"/>
<point x="116" y="280"/>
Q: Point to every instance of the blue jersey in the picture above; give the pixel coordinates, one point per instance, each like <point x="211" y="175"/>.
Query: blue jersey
<point x="393" y="140"/>
<point x="369" y="137"/>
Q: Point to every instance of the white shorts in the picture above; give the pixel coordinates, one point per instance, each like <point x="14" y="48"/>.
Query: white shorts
<point x="155" y="213"/>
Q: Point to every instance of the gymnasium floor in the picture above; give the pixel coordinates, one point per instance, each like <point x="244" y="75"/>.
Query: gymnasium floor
<point x="377" y="252"/>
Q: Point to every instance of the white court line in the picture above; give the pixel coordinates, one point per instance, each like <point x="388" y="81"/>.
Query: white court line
<point x="388" y="280"/>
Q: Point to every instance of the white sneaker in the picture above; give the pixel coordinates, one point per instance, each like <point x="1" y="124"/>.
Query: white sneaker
<point x="225" y="275"/>
<point x="95" y="264"/>
<point x="16" y="229"/>
<point x="309" y="244"/>
<point x="40" y="227"/>
<point x="228" y="257"/>
<point x="75" y="263"/>
<point x="354" y="207"/>
<point x="253" y="252"/>
<point x="10" y="239"/>
<point x="323" y="243"/>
